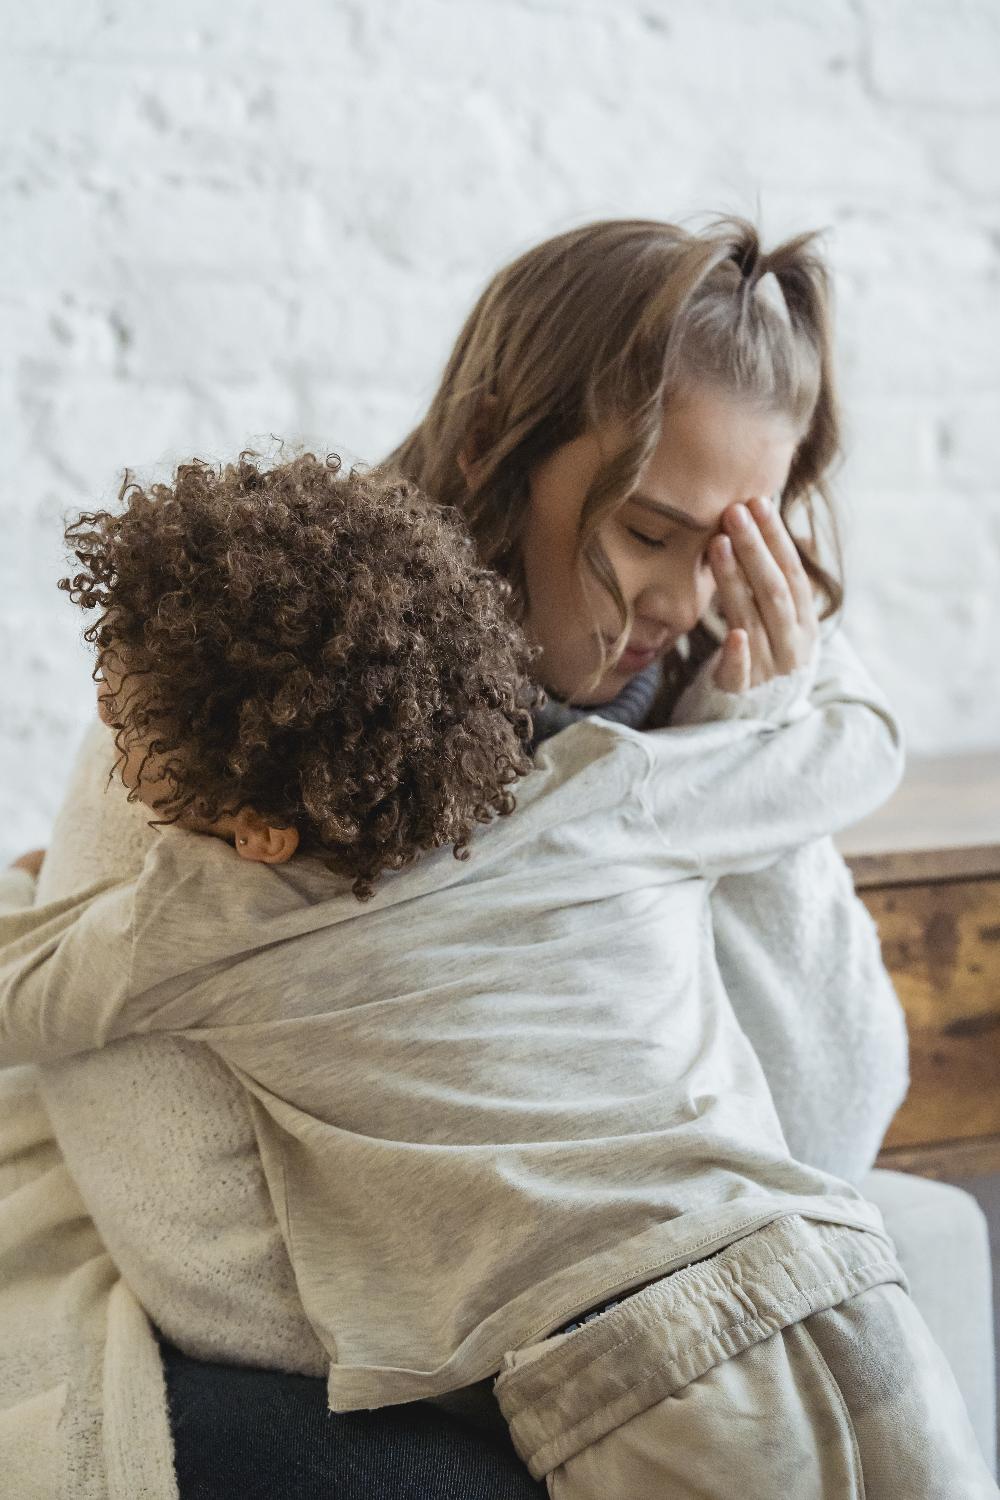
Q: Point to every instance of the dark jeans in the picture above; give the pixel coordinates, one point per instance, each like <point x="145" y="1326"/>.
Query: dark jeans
<point x="262" y="1435"/>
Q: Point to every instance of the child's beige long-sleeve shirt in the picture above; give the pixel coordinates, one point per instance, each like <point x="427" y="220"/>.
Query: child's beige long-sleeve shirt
<point x="505" y="1088"/>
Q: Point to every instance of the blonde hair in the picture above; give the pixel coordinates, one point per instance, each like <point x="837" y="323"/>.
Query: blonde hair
<point x="604" y="324"/>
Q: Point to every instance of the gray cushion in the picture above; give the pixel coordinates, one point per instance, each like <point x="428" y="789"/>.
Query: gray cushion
<point x="942" y="1238"/>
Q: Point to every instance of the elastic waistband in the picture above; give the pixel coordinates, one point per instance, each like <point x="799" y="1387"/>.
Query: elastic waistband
<point x="600" y="1309"/>
<point x="570" y="1390"/>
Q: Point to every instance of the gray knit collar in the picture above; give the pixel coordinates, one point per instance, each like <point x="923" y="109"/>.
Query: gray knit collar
<point x="631" y="706"/>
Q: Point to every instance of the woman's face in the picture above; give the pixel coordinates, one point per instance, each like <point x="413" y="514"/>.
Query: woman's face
<point x="713" y="452"/>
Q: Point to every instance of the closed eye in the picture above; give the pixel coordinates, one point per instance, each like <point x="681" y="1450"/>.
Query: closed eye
<point x="655" y="543"/>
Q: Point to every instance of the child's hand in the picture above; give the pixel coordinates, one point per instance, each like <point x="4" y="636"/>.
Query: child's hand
<point x="32" y="862"/>
<point x="765" y="596"/>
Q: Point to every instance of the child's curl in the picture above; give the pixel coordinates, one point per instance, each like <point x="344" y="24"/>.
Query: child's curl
<point x="318" y="645"/>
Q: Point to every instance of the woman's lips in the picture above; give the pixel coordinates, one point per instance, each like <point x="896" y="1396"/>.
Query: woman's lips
<point x="635" y="658"/>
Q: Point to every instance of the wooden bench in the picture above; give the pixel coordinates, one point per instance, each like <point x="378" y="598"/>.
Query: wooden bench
<point x="927" y="867"/>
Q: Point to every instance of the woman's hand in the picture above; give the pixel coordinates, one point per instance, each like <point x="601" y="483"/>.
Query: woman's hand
<point x="764" y="595"/>
<point x="32" y="862"/>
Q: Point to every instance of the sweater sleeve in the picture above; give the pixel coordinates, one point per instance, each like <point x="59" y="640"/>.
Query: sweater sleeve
<point x="800" y="959"/>
<point x="737" y="793"/>
<point x="64" y="974"/>
<point x="117" y="960"/>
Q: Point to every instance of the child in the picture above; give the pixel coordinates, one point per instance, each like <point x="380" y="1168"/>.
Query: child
<point x="536" y="1105"/>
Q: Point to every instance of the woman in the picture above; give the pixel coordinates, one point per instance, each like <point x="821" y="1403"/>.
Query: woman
<point x="619" y="406"/>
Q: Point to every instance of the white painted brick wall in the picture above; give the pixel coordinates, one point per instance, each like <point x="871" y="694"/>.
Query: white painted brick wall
<point x="224" y="221"/>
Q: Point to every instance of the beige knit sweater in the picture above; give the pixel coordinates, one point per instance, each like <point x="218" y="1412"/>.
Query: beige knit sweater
<point x="82" y="1401"/>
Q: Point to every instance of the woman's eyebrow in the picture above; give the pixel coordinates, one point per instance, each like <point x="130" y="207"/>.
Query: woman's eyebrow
<point x="662" y="509"/>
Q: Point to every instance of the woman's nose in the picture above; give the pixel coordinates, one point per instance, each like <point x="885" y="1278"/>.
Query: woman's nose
<point x="676" y="597"/>
<point x="669" y="614"/>
<point x="688" y="600"/>
<point x="690" y="610"/>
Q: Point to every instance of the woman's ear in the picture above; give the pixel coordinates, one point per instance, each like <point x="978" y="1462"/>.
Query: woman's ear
<point x="477" y="440"/>
<point x="259" y="842"/>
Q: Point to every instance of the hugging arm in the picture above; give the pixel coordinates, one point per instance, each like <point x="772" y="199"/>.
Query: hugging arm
<point x="64" y="974"/>
<point x="126" y="959"/>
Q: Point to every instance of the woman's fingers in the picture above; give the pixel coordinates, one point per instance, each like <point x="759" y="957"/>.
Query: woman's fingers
<point x="771" y="594"/>
<point x="763" y="590"/>
<point x="778" y="538"/>
<point x="733" y="672"/>
<point x="736" y="601"/>
<point x="766" y="555"/>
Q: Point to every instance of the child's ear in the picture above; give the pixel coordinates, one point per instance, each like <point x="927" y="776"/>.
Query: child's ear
<point x="477" y="440"/>
<point x="257" y="841"/>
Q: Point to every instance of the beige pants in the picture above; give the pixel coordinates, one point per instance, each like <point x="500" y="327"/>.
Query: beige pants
<point x="792" y="1366"/>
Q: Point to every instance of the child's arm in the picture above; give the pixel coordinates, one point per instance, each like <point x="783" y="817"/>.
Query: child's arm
<point x="122" y="959"/>
<point x="755" y="775"/>
<point x="64" y="974"/>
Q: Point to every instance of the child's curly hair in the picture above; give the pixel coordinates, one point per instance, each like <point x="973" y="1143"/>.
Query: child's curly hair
<point x="319" y="646"/>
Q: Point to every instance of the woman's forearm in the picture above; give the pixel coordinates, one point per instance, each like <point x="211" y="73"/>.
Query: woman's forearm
<point x="739" y="781"/>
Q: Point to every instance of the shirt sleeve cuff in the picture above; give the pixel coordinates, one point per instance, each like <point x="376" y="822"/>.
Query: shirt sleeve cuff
<point x="773" y="702"/>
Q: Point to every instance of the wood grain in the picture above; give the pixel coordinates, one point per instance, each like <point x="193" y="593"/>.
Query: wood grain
<point x="946" y="1160"/>
<point x="915" y="866"/>
<point x="941" y="944"/>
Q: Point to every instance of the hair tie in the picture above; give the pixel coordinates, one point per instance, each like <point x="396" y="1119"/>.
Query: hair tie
<point x="768" y="289"/>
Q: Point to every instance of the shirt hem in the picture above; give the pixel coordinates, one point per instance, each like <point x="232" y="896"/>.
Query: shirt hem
<point x="541" y="1309"/>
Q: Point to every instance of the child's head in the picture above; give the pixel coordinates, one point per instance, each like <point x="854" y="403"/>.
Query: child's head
<point x="628" y="359"/>
<point x="289" y="653"/>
